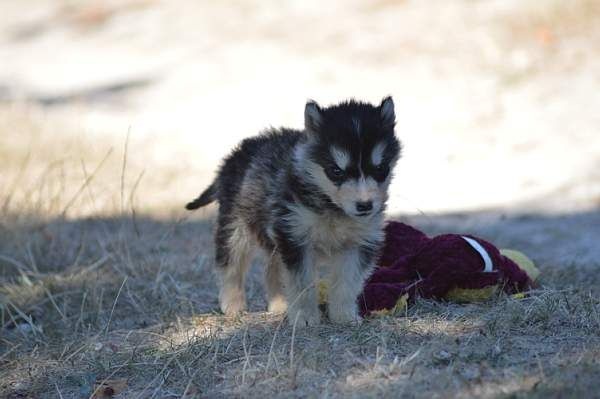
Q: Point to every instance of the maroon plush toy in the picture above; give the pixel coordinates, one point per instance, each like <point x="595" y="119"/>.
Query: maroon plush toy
<point x="415" y="265"/>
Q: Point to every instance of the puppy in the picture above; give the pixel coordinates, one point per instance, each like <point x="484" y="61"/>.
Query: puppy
<point x="307" y="197"/>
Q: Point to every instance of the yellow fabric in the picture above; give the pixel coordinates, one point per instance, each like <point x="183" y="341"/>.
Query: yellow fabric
<point x="523" y="262"/>
<point x="464" y="295"/>
<point x="400" y="307"/>
<point x="322" y="289"/>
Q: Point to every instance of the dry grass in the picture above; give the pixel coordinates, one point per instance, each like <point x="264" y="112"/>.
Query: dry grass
<point x="98" y="296"/>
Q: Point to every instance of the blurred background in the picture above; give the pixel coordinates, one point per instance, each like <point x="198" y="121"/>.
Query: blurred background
<point x="497" y="101"/>
<point x="115" y="113"/>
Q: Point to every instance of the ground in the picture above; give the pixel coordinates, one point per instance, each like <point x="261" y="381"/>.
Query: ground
<point x="111" y="120"/>
<point x="131" y="304"/>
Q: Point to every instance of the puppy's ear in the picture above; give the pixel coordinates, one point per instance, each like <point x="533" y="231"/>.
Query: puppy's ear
<point x="312" y="116"/>
<point x="386" y="109"/>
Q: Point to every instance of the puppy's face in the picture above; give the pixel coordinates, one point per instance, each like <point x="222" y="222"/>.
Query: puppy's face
<point x="353" y="153"/>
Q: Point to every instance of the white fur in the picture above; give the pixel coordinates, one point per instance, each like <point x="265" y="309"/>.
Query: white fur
<point x="277" y="302"/>
<point x="366" y="189"/>
<point x="377" y="154"/>
<point x="350" y="192"/>
<point x="333" y="242"/>
<point x="330" y="234"/>
<point x="346" y="282"/>
<point x="330" y="240"/>
<point x="341" y="157"/>
<point x="300" y="285"/>
<point x="232" y="295"/>
<point x="360" y="190"/>
<point x="299" y="158"/>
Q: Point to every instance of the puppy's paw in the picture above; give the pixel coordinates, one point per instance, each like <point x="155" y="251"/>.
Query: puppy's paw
<point x="302" y="318"/>
<point x="233" y="309"/>
<point x="277" y="305"/>
<point x="232" y="303"/>
<point x="344" y="315"/>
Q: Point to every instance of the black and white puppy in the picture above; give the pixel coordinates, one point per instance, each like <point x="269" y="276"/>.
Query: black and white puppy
<point x="312" y="197"/>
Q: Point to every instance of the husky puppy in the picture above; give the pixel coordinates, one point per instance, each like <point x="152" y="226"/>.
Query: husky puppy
<point x="307" y="197"/>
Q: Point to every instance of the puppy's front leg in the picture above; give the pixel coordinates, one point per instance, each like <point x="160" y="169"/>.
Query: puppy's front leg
<point x="300" y="285"/>
<point x="349" y="270"/>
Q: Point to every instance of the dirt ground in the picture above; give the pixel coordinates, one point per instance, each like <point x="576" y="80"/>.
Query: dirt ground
<point x="113" y="114"/>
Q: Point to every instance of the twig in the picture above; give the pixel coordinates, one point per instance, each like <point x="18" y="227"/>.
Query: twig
<point x="155" y="377"/>
<point x="5" y="354"/>
<point x="21" y="267"/>
<point x="246" y="356"/>
<point x="58" y="390"/>
<point x="49" y="294"/>
<point x="15" y="183"/>
<point x="270" y="355"/>
<point x="85" y="183"/>
<point x="189" y="384"/>
<point x="123" y="168"/>
<point x="293" y="338"/>
<point x="132" y="205"/>
<point x="114" y="305"/>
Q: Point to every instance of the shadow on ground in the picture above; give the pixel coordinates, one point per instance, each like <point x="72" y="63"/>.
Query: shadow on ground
<point x="134" y="300"/>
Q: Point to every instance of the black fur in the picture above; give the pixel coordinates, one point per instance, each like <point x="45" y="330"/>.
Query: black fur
<point x="207" y="196"/>
<point x="337" y="127"/>
<point x="270" y="155"/>
<point x="266" y="179"/>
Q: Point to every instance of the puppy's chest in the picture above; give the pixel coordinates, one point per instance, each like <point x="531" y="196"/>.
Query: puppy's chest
<point x="330" y="234"/>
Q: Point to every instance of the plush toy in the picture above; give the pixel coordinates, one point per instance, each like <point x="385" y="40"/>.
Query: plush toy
<point x="447" y="267"/>
<point x="459" y="268"/>
<point x="454" y="267"/>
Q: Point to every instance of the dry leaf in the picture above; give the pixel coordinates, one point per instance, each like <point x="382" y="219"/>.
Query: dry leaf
<point x="109" y="388"/>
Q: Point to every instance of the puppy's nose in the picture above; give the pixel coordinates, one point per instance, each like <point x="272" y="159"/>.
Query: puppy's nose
<point x="365" y="206"/>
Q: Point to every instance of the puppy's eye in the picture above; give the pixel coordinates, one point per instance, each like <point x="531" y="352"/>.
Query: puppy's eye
<point x="336" y="172"/>
<point x="381" y="172"/>
<point x="381" y="168"/>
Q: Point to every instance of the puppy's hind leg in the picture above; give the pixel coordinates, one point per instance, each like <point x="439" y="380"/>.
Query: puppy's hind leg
<point x="277" y="302"/>
<point x="233" y="255"/>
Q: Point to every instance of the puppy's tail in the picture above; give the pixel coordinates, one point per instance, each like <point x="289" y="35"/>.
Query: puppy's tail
<point x="209" y="195"/>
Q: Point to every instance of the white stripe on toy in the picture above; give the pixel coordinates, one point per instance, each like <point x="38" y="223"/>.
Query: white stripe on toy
<point x="487" y="261"/>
